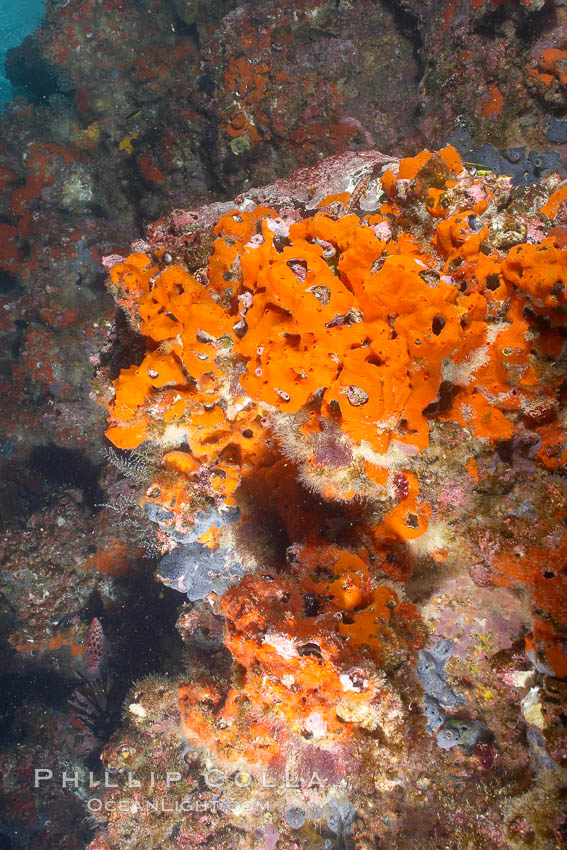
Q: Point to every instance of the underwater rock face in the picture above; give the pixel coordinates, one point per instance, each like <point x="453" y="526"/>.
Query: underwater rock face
<point x="143" y="108"/>
<point x="498" y="67"/>
<point x="150" y="106"/>
<point x="361" y="367"/>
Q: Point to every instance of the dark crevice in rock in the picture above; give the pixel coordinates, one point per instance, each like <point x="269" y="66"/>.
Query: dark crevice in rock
<point x="408" y="25"/>
<point x="58" y="465"/>
<point x="27" y="69"/>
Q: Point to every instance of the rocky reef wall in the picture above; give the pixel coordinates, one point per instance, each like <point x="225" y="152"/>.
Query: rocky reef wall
<point x="334" y="408"/>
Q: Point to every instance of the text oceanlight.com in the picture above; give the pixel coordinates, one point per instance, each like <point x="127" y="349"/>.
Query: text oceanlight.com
<point x="172" y="804"/>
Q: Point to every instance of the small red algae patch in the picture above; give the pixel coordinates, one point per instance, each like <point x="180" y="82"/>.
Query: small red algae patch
<point x="493" y="102"/>
<point x="115" y="559"/>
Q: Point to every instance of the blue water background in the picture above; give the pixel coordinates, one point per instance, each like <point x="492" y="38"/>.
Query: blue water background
<point x="18" y="18"/>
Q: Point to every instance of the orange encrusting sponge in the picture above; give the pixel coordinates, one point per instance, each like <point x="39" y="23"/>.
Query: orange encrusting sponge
<point x="349" y="317"/>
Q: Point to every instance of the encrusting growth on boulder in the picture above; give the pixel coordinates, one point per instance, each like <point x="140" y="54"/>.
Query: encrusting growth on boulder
<point x="309" y="377"/>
